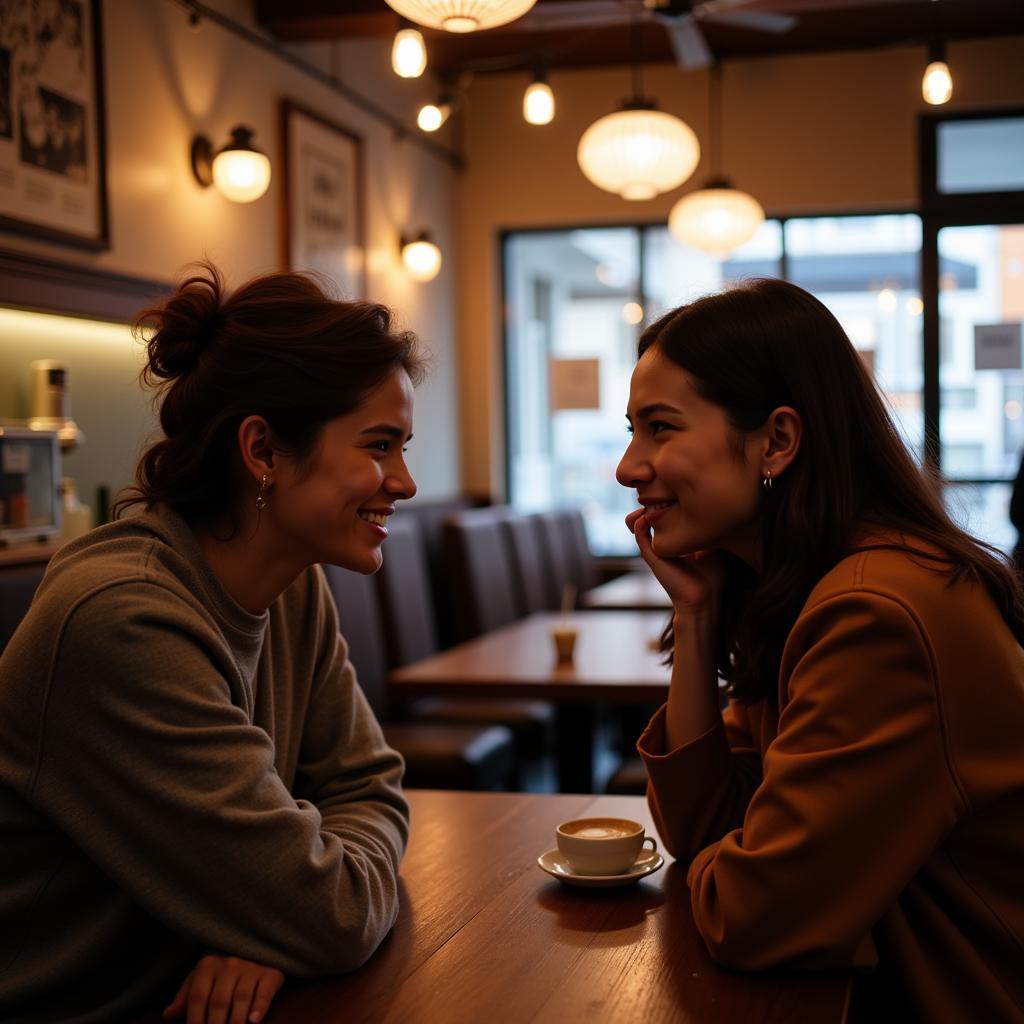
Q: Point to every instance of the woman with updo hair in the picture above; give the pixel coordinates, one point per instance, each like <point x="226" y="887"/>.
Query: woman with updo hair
<point x="195" y="797"/>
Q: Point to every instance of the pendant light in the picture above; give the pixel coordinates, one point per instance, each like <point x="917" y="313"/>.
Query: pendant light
<point x="719" y="217"/>
<point x="638" y="152"/>
<point x="539" y="100"/>
<point x="408" y="52"/>
<point x="461" y="15"/>
<point x="937" y="82"/>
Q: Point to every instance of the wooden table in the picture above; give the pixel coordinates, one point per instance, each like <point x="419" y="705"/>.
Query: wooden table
<point x="615" y="660"/>
<point x="635" y="591"/>
<point x="484" y="935"/>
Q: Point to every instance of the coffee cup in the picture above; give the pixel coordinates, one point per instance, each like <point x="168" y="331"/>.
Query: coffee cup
<point x="602" y="846"/>
<point x="564" y="638"/>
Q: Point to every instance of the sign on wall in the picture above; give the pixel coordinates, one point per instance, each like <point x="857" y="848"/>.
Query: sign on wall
<point x="575" y="384"/>
<point x="52" y="160"/>
<point x="997" y="346"/>
<point x="323" y="193"/>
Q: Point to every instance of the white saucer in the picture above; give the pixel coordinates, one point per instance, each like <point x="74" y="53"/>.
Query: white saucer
<point x="555" y="865"/>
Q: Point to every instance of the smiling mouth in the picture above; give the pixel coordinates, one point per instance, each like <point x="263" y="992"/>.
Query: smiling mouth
<point x="377" y="518"/>
<point x="658" y="506"/>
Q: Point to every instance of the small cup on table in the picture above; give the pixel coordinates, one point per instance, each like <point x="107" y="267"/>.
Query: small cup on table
<point x="564" y="637"/>
<point x="602" y="846"/>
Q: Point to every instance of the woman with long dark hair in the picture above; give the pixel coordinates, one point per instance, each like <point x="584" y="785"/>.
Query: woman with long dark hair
<point x="194" y="794"/>
<point x="860" y="802"/>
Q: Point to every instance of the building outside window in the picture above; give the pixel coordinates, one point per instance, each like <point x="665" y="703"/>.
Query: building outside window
<point x="576" y="301"/>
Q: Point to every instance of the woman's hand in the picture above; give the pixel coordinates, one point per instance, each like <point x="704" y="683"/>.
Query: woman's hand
<point x="693" y="582"/>
<point x="226" y="990"/>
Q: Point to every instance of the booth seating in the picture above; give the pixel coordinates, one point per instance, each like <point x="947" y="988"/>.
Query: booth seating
<point x="431" y="516"/>
<point x="409" y="629"/>
<point x="438" y="755"/>
<point x="583" y="570"/>
<point x="532" y="591"/>
<point x="480" y="566"/>
<point x="553" y="537"/>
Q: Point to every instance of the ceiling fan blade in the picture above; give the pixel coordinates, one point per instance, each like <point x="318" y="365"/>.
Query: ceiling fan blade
<point x="757" y="21"/>
<point x="688" y="42"/>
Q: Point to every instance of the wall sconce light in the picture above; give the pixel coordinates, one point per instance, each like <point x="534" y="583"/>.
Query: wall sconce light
<point x="422" y="258"/>
<point x="408" y="52"/>
<point x="239" y="170"/>
<point x="937" y="83"/>
<point x="433" y="115"/>
<point x="539" y="101"/>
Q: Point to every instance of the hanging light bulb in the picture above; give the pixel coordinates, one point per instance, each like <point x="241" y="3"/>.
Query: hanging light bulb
<point x="408" y="53"/>
<point x="461" y="15"/>
<point x="638" y="152"/>
<point x="539" y="101"/>
<point x="433" y="115"/>
<point x="937" y="83"/>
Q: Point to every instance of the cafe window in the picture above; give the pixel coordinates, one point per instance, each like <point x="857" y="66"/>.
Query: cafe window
<point x="576" y="300"/>
<point x="972" y="189"/>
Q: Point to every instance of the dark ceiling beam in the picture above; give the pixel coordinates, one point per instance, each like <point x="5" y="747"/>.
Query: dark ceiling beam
<point x="832" y="26"/>
<point x="319" y="20"/>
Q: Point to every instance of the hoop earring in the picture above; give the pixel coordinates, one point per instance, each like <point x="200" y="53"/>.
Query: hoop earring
<point x="766" y="480"/>
<point x="261" y="498"/>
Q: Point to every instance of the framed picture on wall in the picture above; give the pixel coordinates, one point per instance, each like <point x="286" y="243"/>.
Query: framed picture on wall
<point x="323" y="195"/>
<point x="52" y="142"/>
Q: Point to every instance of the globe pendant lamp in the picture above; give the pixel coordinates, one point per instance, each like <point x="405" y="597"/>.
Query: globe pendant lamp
<point x="638" y="152"/>
<point x="461" y="15"/>
<point x="718" y="217"/>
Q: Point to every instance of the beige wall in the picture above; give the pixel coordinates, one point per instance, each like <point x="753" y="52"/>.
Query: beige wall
<point x="166" y="82"/>
<point x="810" y="133"/>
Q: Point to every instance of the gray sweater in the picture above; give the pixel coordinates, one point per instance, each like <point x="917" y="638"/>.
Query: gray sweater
<point x="178" y="775"/>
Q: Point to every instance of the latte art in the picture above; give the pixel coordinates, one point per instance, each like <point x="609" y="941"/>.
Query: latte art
<point x="602" y="846"/>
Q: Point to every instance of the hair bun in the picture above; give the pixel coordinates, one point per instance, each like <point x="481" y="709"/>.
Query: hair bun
<point x="185" y="325"/>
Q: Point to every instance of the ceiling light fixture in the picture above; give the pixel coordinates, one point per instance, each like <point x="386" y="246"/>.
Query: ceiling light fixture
<point x="638" y="152"/>
<point x="539" y="100"/>
<point x="240" y="171"/>
<point x="461" y="15"/>
<point x="937" y="82"/>
<point x="718" y="217"/>
<point x="408" y="52"/>
<point x="421" y="256"/>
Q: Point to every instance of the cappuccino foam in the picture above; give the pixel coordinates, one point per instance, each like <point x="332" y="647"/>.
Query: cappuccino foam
<point x="600" y="832"/>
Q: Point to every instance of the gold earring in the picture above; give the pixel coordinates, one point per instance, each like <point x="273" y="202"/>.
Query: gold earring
<point x="766" y="480"/>
<point x="261" y="498"/>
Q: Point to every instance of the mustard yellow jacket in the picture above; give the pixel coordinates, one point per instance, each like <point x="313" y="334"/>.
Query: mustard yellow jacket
<point x="874" y="813"/>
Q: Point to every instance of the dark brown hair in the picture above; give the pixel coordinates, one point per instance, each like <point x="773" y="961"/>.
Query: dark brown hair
<point x="278" y="347"/>
<point x="767" y="344"/>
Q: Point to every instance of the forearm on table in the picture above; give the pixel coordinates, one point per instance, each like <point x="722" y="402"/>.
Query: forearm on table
<point x="692" y="708"/>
